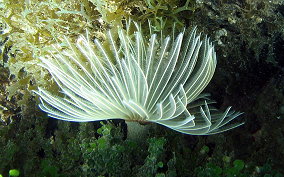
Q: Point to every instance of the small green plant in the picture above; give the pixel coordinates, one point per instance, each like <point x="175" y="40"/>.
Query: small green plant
<point x="267" y="171"/>
<point x="204" y="150"/>
<point x="236" y="170"/>
<point x="14" y="172"/>
<point x="213" y="170"/>
<point x="48" y="169"/>
<point x="108" y="154"/>
<point x="153" y="161"/>
<point x="164" y="13"/>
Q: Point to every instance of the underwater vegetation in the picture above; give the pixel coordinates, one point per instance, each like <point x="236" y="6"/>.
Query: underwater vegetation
<point x="137" y="80"/>
<point x="248" y="38"/>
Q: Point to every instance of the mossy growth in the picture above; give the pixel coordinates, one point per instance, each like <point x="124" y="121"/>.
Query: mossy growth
<point x="51" y="148"/>
<point x="46" y="147"/>
<point x="110" y="155"/>
<point x="237" y="168"/>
